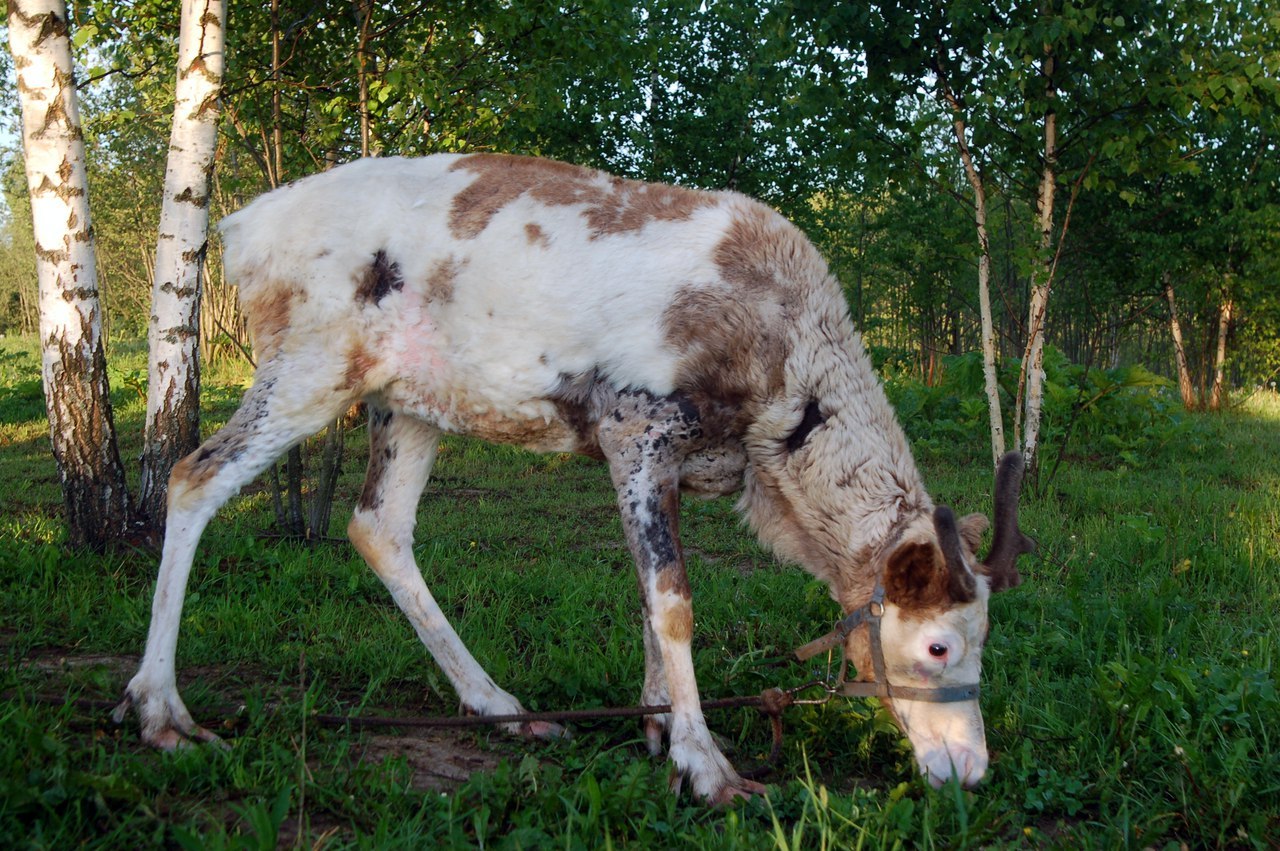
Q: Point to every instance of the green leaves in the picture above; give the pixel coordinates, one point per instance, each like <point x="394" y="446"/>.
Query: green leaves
<point x="83" y="35"/>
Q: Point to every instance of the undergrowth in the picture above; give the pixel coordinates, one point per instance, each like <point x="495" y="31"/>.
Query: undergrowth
<point x="1125" y="416"/>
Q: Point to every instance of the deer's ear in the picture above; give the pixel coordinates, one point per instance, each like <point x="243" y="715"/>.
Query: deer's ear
<point x="915" y="577"/>
<point x="972" y="527"/>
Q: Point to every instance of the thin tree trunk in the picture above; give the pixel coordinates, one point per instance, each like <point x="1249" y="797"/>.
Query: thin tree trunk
<point x="277" y="130"/>
<point x="74" y="365"/>
<point x="173" y="390"/>
<point x="293" y="524"/>
<point x="330" y="469"/>
<point x="859" y="312"/>
<point x="1033" y="363"/>
<point x="293" y="470"/>
<point x="1185" y="387"/>
<point x="1217" y="394"/>
<point x="989" y="355"/>
<point x="364" y="13"/>
<point x="30" y="316"/>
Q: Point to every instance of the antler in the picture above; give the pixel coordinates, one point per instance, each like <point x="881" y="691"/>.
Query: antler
<point x="961" y="583"/>
<point x="1008" y="542"/>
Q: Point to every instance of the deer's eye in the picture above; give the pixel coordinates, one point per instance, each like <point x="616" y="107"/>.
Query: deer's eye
<point x="937" y="651"/>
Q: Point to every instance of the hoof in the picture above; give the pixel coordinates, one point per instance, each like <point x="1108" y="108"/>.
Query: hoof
<point x="740" y="790"/>
<point x="172" y="739"/>
<point x="727" y="795"/>
<point x="544" y="730"/>
<point x="169" y="735"/>
<point x="654" y="731"/>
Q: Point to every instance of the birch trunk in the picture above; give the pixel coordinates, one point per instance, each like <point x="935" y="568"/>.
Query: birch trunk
<point x="364" y="16"/>
<point x="74" y="365"/>
<point x="990" y="375"/>
<point x="1033" y="362"/>
<point x="173" y="389"/>
<point x="1217" y="394"/>
<point x="1185" y="386"/>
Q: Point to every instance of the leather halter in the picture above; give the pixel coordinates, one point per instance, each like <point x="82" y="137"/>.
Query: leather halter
<point x="871" y="614"/>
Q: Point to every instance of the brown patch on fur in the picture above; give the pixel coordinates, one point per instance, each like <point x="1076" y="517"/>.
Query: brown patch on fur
<point x="536" y="433"/>
<point x="192" y="472"/>
<point x="359" y="363"/>
<point x="441" y="280"/>
<point x="501" y="180"/>
<point x="674" y="581"/>
<point x="731" y="354"/>
<point x="754" y="251"/>
<point x="762" y="254"/>
<point x="610" y="205"/>
<point x="916" y="580"/>
<point x="269" y="310"/>
<point x="733" y="336"/>
<point x="633" y="205"/>
<point x="536" y="235"/>
<point x="195" y="470"/>
<point x="781" y="524"/>
<point x="361" y="535"/>
<point x="677" y="625"/>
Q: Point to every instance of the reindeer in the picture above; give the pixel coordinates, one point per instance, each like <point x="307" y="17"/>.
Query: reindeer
<point x="694" y="341"/>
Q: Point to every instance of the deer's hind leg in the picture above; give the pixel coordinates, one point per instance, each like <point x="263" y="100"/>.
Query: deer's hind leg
<point x="402" y="450"/>
<point x="280" y="409"/>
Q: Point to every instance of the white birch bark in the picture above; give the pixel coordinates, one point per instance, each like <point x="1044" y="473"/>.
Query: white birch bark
<point x="990" y="376"/>
<point x="173" y="389"/>
<point x="1217" y="393"/>
<point x="364" y="15"/>
<point x="1185" y="387"/>
<point x="74" y="366"/>
<point x="1033" y="362"/>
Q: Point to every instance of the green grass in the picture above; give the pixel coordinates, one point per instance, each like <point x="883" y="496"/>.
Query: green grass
<point x="1128" y="692"/>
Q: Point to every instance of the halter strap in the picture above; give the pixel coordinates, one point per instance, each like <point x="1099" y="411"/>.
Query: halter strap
<point x="871" y="614"/>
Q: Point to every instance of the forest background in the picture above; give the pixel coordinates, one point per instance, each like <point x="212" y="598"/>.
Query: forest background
<point x="848" y="119"/>
<point x="1119" y="156"/>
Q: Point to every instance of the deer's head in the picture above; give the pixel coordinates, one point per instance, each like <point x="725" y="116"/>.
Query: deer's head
<point x="927" y="625"/>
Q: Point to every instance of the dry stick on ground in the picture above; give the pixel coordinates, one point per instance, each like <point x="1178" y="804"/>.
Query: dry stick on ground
<point x="771" y="702"/>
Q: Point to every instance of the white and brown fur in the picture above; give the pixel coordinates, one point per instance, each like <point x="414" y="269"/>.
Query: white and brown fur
<point x="694" y="341"/>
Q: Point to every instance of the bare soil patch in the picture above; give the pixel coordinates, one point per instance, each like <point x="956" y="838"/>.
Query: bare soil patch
<point x="440" y="760"/>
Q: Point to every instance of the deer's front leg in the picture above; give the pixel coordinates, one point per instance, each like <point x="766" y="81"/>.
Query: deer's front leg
<point x="645" y="440"/>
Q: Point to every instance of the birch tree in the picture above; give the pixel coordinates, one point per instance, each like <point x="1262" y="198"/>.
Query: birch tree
<point x="173" y="388"/>
<point x="1042" y="280"/>
<point x="954" y="103"/>
<point x="74" y="366"/>
<point x="1217" y="391"/>
<point x="1185" y="388"/>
